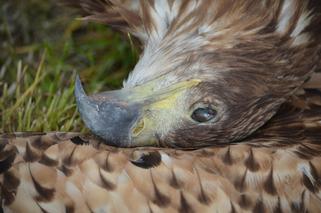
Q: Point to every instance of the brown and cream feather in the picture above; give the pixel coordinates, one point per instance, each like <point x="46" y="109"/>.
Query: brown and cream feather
<point x="250" y="59"/>
<point x="275" y="170"/>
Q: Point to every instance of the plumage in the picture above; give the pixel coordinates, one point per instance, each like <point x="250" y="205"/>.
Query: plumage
<point x="257" y="149"/>
<point x="277" y="169"/>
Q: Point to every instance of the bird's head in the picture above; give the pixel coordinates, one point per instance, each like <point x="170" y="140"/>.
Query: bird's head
<point x="202" y="79"/>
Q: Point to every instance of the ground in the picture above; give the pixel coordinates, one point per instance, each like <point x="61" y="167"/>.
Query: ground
<point x="42" y="47"/>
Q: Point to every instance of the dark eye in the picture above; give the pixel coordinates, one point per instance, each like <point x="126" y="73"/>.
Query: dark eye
<point x="203" y="114"/>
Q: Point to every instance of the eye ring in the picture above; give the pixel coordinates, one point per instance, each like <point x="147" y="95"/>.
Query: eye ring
<point x="203" y="114"/>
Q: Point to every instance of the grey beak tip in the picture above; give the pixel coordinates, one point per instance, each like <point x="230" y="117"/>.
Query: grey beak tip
<point x="86" y="107"/>
<point x="79" y="90"/>
<point x="82" y="99"/>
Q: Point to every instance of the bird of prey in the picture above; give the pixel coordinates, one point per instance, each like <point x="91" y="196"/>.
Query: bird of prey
<point x="219" y="85"/>
<point x="211" y="72"/>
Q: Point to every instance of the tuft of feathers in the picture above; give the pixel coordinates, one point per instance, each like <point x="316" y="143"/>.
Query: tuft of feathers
<point x="212" y="26"/>
<point x="295" y="20"/>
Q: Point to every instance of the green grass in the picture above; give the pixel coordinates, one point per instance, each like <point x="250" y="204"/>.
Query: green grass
<point x="42" y="49"/>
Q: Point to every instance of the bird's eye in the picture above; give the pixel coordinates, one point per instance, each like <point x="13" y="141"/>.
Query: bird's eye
<point x="203" y="114"/>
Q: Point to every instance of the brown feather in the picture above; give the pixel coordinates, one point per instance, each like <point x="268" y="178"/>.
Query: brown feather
<point x="261" y="173"/>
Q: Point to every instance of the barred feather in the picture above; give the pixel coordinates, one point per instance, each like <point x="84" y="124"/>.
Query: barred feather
<point x="276" y="169"/>
<point x="261" y="49"/>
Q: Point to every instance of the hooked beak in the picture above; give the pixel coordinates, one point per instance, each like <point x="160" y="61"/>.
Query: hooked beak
<point x="106" y="117"/>
<point x="132" y="117"/>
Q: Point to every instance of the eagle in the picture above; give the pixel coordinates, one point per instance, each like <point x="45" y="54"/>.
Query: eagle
<point x="222" y="113"/>
<point x="211" y="72"/>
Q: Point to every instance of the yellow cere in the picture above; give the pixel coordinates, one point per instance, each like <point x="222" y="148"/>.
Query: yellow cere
<point x="164" y="101"/>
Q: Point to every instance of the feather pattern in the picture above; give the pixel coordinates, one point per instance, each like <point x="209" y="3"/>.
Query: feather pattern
<point x="181" y="29"/>
<point x="256" y="46"/>
<point x="158" y="19"/>
<point x="277" y="169"/>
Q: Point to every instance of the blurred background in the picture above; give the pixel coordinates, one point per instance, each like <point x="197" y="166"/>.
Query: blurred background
<point x="42" y="47"/>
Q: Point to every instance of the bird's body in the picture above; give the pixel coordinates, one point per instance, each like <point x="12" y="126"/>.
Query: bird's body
<point x="275" y="170"/>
